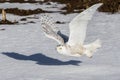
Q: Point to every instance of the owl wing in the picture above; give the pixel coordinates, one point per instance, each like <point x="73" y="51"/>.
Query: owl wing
<point x="51" y="34"/>
<point x="79" y="24"/>
<point x="51" y="31"/>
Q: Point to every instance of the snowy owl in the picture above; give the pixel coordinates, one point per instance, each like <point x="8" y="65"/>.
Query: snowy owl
<point x="74" y="46"/>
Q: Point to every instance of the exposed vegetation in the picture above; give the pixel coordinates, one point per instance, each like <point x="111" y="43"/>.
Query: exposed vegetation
<point x="23" y="12"/>
<point x="111" y="6"/>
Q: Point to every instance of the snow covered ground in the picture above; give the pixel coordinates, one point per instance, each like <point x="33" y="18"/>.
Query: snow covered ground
<point x="26" y="54"/>
<point x="25" y="6"/>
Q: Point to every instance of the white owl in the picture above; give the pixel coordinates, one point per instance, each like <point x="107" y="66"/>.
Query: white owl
<point x="74" y="46"/>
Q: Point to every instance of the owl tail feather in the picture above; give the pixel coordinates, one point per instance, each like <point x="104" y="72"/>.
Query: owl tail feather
<point x="91" y="48"/>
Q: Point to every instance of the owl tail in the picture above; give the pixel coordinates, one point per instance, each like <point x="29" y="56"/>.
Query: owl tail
<point x="91" y="48"/>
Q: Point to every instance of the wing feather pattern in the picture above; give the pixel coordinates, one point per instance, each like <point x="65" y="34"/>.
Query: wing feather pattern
<point x="50" y="30"/>
<point x="51" y="34"/>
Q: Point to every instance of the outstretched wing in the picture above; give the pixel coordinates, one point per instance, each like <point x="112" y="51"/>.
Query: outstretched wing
<point x="79" y="24"/>
<point x="50" y="29"/>
<point x="51" y="34"/>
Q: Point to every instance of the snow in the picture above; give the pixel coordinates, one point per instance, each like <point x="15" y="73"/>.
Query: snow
<point x="26" y="54"/>
<point x="26" y="6"/>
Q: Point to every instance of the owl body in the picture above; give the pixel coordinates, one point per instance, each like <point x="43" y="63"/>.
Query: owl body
<point x="76" y="50"/>
<point x="79" y="50"/>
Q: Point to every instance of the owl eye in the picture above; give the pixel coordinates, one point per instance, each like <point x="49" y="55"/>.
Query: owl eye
<point x="58" y="45"/>
<point x="60" y="48"/>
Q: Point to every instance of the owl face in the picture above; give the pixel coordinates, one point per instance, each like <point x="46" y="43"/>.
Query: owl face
<point x="61" y="49"/>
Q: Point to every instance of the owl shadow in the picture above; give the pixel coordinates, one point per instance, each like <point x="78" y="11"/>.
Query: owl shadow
<point x="41" y="59"/>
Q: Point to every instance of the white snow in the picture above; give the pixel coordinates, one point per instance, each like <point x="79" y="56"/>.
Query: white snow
<point x="26" y="54"/>
<point x="25" y="6"/>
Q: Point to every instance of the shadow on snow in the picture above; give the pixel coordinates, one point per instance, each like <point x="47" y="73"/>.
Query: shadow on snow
<point x="41" y="59"/>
